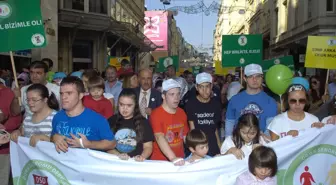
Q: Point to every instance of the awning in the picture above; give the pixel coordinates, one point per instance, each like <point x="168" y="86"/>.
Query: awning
<point x="134" y="36"/>
<point x="103" y="23"/>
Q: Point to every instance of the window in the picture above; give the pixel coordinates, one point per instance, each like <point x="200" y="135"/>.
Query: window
<point x="78" y="5"/>
<point x="309" y="9"/>
<point x="330" y="5"/>
<point x="74" y="4"/>
<point x="98" y="6"/>
<point x="276" y="17"/>
<point x="296" y="18"/>
<point x="257" y="26"/>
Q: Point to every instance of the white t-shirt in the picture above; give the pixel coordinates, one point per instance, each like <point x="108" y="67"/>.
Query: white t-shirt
<point x="325" y="120"/>
<point x="51" y="87"/>
<point x="247" y="149"/>
<point x="281" y="124"/>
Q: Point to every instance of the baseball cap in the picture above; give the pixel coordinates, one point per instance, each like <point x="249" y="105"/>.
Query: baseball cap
<point x="78" y="74"/>
<point x="170" y="84"/>
<point x="253" y="69"/>
<point x="59" y="75"/>
<point x="203" y="78"/>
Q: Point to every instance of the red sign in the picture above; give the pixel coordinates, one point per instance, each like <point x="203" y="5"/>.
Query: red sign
<point x="156" y="28"/>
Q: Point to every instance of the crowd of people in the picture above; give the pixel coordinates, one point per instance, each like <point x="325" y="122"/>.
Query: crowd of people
<point x="147" y="115"/>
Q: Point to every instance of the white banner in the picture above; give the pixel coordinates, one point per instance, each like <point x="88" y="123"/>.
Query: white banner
<point x="309" y="158"/>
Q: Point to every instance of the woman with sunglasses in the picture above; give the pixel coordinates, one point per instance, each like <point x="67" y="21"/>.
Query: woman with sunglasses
<point x="295" y="119"/>
<point x="316" y="94"/>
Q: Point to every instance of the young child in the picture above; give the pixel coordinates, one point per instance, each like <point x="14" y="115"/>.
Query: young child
<point x="263" y="167"/>
<point x="245" y="137"/>
<point x="96" y="100"/>
<point x="126" y="68"/>
<point x="197" y="142"/>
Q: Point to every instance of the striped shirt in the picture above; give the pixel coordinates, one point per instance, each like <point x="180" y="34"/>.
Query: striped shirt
<point x="44" y="127"/>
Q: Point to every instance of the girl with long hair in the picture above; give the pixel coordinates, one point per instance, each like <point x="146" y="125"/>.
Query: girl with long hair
<point x="133" y="133"/>
<point x="245" y="137"/>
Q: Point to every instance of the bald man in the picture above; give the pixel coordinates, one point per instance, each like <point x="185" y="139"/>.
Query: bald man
<point x="149" y="98"/>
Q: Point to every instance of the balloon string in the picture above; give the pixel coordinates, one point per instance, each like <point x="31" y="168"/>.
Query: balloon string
<point x="281" y="104"/>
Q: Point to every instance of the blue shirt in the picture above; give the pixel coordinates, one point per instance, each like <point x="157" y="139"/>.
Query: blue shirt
<point x="89" y="123"/>
<point x="332" y="89"/>
<point x="262" y="105"/>
<point x="115" y="90"/>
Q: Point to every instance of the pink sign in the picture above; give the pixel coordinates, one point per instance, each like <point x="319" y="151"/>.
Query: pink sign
<point x="156" y="28"/>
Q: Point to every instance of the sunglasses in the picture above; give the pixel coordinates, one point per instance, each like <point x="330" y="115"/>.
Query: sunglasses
<point x="294" y="101"/>
<point x="314" y="82"/>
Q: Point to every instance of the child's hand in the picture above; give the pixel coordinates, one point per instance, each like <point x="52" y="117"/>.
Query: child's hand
<point x="123" y="156"/>
<point x="190" y="160"/>
<point x="237" y="152"/>
<point x="293" y="133"/>
<point x="317" y="125"/>
<point x="178" y="161"/>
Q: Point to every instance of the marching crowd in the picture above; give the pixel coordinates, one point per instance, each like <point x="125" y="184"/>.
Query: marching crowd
<point x="156" y="116"/>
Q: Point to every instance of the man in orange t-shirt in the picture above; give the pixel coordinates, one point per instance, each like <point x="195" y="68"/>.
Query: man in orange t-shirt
<point x="170" y="126"/>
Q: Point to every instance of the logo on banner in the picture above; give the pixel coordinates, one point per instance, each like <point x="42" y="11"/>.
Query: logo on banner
<point x="242" y="41"/>
<point x="40" y="180"/>
<point x="168" y="62"/>
<point x="33" y="167"/>
<point x="331" y="42"/>
<point x="38" y="39"/>
<point x="152" y="25"/>
<point x="5" y="10"/>
<point x="309" y="167"/>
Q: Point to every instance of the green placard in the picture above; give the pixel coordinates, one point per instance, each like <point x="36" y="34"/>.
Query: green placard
<point x="21" y="25"/>
<point x="241" y="50"/>
<point x="286" y="60"/>
<point x="196" y="70"/>
<point x="167" y="61"/>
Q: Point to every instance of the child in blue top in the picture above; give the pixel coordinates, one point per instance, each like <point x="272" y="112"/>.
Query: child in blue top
<point x="197" y="143"/>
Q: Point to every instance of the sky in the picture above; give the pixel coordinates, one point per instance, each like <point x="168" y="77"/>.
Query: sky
<point x="191" y="24"/>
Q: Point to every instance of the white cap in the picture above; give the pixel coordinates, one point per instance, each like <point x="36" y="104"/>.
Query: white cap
<point x="170" y="84"/>
<point x="253" y="69"/>
<point x="203" y="78"/>
<point x="2" y="81"/>
<point x="233" y="89"/>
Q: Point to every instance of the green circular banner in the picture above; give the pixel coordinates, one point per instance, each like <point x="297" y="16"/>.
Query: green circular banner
<point x="319" y="149"/>
<point x="42" y="166"/>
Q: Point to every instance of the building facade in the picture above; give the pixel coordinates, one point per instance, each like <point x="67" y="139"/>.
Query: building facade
<point x="285" y="24"/>
<point x="92" y="30"/>
<point x="81" y="34"/>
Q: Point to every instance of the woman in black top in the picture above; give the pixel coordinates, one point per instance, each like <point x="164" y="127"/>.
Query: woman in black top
<point x="133" y="133"/>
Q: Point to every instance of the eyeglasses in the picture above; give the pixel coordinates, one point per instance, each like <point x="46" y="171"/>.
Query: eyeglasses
<point x="314" y="82"/>
<point x="34" y="101"/>
<point x="301" y="101"/>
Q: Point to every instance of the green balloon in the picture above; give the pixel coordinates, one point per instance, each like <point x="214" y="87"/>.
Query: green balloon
<point x="278" y="78"/>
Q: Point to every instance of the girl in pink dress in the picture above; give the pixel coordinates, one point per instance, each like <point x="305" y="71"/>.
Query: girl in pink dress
<point x="262" y="168"/>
